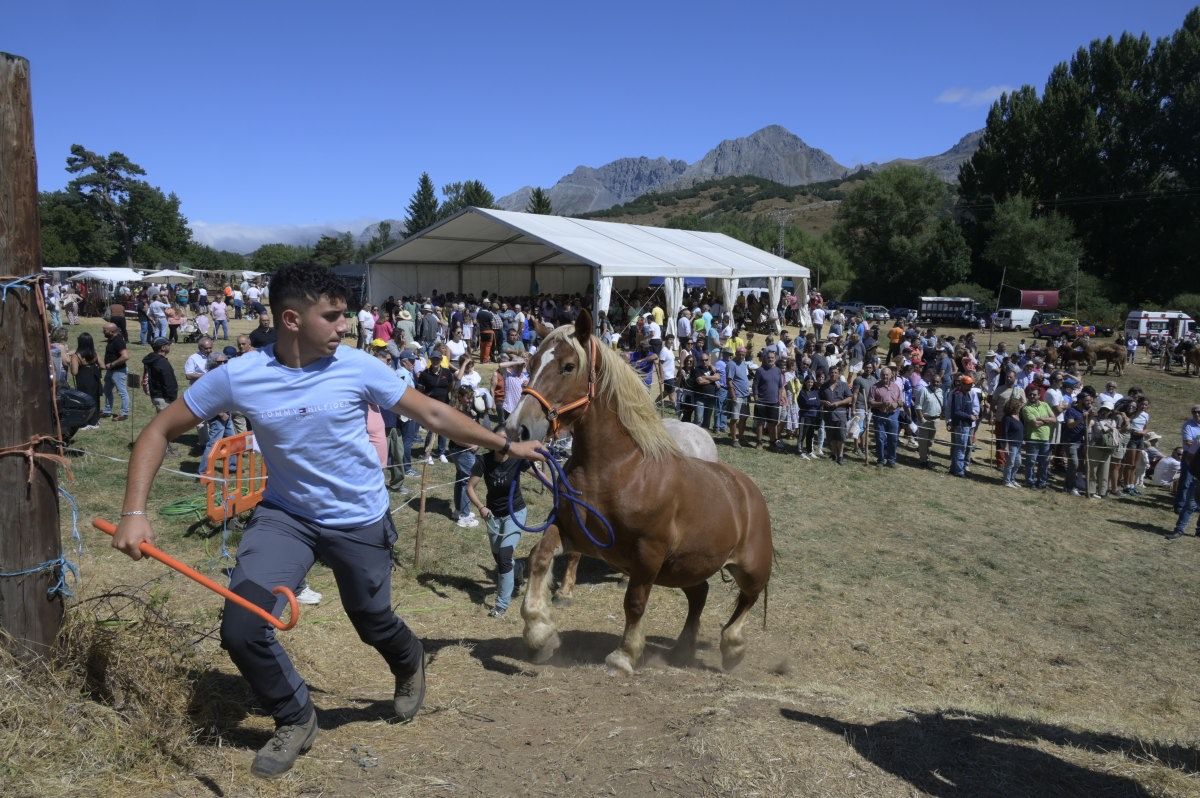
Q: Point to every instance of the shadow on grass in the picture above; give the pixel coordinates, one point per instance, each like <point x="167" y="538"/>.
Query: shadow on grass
<point x="474" y="589"/>
<point x="951" y="755"/>
<point x="1141" y="526"/>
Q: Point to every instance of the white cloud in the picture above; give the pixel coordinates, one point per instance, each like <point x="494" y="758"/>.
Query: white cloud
<point x="971" y="98"/>
<point x="244" y="238"/>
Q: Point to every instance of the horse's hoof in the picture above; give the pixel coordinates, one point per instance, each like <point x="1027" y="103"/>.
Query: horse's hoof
<point x="732" y="660"/>
<point x="618" y="662"/>
<point x="561" y="601"/>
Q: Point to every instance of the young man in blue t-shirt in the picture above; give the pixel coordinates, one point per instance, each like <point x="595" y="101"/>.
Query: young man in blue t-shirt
<point x="306" y="396"/>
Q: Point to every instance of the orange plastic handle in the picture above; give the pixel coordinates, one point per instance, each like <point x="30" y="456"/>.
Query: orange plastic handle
<point x="166" y="559"/>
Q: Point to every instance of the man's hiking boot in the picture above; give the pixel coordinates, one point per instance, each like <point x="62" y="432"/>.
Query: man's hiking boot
<point x="410" y="692"/>
<point x="279" y="754"/>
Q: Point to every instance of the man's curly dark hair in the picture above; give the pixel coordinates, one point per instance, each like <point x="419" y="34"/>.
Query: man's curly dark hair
<point x="303" y="284"/>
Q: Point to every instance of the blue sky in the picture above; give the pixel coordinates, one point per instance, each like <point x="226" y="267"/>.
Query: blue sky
<point x="268" y="117"/>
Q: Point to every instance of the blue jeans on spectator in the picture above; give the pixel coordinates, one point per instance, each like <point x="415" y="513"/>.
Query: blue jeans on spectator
<point x="1183" y="495"/>
<point x="705" y="404"/>
<point x="722" y="409"/>
<point x="1037" y="463"/>
<point x="118" y="378"/>
<point x="144" y="336"/>
<point x="504" y="535"/>
<point x="217" y="429"/>
<point x="464" y="461"/>
<point x="1191" y="502"/>
<point x="1013" y="462"/>
<point x="887" y="431"/>
<point x="960" y="442"/>
<point x="237" y="308"/>
<point x="1071" y="453"/>
<point x="441" y="445"/>
<point x="221" y="324"/>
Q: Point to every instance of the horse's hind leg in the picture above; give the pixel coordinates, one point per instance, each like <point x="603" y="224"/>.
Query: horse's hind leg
<point x="626" y="657"/>
<point x="540" y="634"/>
<point x="684" y="650"/>
<point x="733" y="641"/>
<point x="566" y="589"/>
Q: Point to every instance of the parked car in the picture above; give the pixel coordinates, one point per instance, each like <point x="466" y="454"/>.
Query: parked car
<point x="903" y="314"/>
<point x="1064" y="326"/>
<point x="851" y="308"/>
<point x="875" y="313"/>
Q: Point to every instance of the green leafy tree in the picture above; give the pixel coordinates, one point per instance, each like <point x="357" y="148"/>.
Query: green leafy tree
<point x="157" y="229"/>
<point x="897" y="232"/>
<point x="107" y="182"/>
<point x="468" y="194"/>
<point x="202" y="256"/>
<point x="422" y="208"/>
<point x="820" y="254"/>
<point x="975" y="291"/>
<point x="1029" y="251"/>
<point x="539" y="202"/>
<point x="332" y="250"/>
<point x="270" y="257"/>
<point x="72" y="233"/>
<point x="1112" y="144"/>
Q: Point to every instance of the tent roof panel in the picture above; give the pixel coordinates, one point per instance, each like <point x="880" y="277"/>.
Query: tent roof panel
<point x="486" y="236"/>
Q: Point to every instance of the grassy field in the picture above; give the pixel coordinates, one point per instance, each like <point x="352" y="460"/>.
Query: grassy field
<point x="925" y="635"/>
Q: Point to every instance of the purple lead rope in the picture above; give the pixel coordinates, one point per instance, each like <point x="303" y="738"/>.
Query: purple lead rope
<point x="562" y="489"/>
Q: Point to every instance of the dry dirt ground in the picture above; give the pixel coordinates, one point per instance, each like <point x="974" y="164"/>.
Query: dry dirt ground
<point x="925" y="636"/>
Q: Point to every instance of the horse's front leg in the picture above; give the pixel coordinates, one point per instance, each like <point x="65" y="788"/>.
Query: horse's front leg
<point x="540" y="634"/>
<point x="626" y="657"/>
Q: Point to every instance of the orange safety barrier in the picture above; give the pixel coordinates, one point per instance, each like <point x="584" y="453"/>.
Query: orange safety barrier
<point x="244" y="483"/>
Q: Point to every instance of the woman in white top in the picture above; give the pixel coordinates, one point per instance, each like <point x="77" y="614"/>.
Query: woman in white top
<point x="456" y="347"/>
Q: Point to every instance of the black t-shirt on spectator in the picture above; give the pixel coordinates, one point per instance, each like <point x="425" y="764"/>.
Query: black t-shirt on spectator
<point x="113" y="350"/>
<point x="483" y="319"/>
<point x="498" y="477"/>
<point x="260" y="337"/>
<point x="436" y="386"/>
<point x="703" y="370"/>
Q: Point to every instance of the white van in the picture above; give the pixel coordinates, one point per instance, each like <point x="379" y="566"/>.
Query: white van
<point x="1015" y="318"/>
<point x="1147" y="325"/>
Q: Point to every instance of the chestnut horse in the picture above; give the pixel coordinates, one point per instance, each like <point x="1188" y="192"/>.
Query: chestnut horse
<point x="693" y="441"/>
<point x="675" y="520"/>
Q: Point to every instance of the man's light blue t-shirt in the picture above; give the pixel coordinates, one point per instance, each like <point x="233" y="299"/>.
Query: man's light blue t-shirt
<point x="311" y="425"/>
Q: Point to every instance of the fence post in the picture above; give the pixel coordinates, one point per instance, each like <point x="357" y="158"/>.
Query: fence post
<point x="420" y="519"/>
<point x="29" y="530"/>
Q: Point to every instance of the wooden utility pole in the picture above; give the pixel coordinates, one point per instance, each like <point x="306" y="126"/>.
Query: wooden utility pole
<point x="29" y="530"/>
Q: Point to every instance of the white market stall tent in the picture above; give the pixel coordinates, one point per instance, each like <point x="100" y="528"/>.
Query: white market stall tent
<point x="513" y="253"/>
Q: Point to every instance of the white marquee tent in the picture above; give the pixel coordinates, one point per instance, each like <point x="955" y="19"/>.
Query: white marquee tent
<point x="507" y="252"/>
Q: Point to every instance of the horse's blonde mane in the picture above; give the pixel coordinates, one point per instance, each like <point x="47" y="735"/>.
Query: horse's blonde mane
<point x="622" y="387"/>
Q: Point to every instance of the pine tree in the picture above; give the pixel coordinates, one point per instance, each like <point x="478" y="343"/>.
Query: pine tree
<point x="539" y="202"/>
<point x="422" y="208"/>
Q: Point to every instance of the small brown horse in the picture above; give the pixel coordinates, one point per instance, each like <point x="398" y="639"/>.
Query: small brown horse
<point x="676" y="520"/>
<point x="1113" y="355"/>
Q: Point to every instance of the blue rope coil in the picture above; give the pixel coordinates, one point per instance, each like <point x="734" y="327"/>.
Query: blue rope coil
<point x="61" y="564"/>
<point x="562" y="490"/>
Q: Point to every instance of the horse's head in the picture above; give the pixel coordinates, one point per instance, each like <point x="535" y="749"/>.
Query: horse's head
<point x="561" y="382"/>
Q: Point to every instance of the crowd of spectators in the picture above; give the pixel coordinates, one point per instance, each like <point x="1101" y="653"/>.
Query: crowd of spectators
<point x="842" y="388"/>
